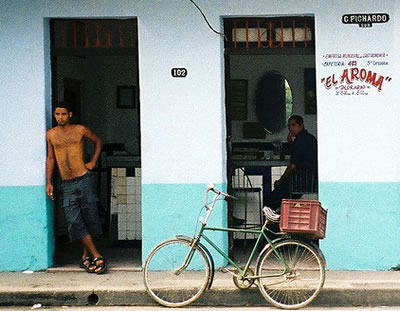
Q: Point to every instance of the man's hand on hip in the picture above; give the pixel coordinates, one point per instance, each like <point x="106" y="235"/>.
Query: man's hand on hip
<point x="90" y="165"/>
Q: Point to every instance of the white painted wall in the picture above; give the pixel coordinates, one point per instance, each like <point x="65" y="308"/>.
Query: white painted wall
<point x="184" y="118"/>
<point x="358" y="140"/>
<point x="22" y="109"/>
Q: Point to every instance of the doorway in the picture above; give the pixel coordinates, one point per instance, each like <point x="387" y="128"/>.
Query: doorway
<point x="270" y="75"/>
<point x="94" y="66"/>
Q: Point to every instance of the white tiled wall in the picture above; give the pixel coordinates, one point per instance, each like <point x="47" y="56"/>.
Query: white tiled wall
<point x="253" y="198"/>
<point x="126" y="200"/>
<point x="239" y="180"/>
<point x="276" y="173"/>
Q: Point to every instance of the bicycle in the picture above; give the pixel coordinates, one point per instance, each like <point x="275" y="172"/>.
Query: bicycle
<point x="289" y="272"/>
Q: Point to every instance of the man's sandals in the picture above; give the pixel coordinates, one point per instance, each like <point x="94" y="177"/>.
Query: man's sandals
<point x="96" y="265"/>
<point x="88" y="265"/>
<point x="100" y="264"/>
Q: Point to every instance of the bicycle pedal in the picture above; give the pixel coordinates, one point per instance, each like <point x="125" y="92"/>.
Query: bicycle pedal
<point x="223" y="270"/>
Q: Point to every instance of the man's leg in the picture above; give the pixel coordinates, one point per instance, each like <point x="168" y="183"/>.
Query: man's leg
<point x="89" y="247"/>
<point x="92" y="220"/>
<point x="85" y="252"/>
<point x="280" y="192"/>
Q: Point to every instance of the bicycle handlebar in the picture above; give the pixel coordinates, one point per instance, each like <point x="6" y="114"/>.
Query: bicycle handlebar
<point x="210" y="206"/>
<point x="211" y="187"/>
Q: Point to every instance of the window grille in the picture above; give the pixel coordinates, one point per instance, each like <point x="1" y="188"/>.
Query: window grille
<point x="270" y="33"/>
<point x="94" y="33"/>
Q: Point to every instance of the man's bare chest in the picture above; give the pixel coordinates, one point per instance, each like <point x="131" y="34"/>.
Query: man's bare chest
<point x="66" y="140"/>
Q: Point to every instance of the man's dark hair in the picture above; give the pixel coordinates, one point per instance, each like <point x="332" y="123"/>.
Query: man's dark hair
<point x="299" y="120"/>
<point x="63" y="104"/>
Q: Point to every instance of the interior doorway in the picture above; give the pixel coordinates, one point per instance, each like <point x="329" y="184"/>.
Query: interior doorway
<point x="95" y="67"/>
<point x="270" y="75"/>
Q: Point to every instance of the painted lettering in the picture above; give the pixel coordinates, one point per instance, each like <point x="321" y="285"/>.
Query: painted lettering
<point x="329" y="81"/>
<point x="345" y="77"/>
<point x="350" y="75"/>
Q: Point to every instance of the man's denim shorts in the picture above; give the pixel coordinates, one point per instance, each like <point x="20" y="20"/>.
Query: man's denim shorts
<point x="80" y="207"/>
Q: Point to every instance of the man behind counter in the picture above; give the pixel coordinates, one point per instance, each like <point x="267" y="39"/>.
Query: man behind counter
<point x="303" y="160"/>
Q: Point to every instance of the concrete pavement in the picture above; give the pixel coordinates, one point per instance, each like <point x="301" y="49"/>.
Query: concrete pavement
<point x="125" y="288"/>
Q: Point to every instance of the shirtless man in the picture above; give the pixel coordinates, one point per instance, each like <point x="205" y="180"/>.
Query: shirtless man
<point x="65" y="146"/>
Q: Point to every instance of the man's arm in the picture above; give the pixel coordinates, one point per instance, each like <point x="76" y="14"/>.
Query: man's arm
<point x="97" y="141"/>
<point x="50" y="162"/>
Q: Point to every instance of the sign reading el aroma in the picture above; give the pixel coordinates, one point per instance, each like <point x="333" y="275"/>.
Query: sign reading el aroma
<point x="355" y="81"/>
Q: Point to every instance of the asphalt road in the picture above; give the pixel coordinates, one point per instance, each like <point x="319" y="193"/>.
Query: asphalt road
<point x="156" y="308"/>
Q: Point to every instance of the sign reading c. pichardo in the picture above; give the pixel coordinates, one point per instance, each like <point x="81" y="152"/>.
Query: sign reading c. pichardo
<point x="365" y="20"/>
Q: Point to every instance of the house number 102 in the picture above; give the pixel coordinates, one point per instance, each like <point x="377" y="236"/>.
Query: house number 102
<point x="179" y="72"/>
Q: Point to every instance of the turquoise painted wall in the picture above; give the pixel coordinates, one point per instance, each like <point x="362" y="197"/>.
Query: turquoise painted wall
<point x="172" y="209"/>
<point x="363" y="225"/>
<point x="27" y="238"/>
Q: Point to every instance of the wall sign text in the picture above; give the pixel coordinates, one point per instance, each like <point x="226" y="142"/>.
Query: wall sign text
<point x="356" y="73"/>
<point x="365" y="20"/>
<point x="179" y="72"/>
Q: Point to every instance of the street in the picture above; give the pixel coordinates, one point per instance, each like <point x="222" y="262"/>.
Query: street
<point x="157" y="308"/>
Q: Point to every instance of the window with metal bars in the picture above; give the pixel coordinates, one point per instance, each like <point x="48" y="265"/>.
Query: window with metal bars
<point x="270" y="33"/>
<point x="95" y="33"/>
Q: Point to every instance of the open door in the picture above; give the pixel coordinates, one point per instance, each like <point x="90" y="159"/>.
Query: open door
<point x="95" y="67"/>
<point x="268" y="62"/>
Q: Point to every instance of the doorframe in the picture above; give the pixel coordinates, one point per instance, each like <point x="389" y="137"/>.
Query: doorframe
<point x="229" y="51"/>
<point x="54" y="91"/>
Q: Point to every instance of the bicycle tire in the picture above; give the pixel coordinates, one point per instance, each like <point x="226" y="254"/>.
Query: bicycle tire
<point x="297" y="287"/>
<point x="168" y="288"/>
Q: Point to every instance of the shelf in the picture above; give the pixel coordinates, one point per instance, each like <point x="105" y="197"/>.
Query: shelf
<point x="123" y="161"/>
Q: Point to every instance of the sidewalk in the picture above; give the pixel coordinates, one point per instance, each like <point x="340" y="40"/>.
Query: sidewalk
<point x="341" y="289"/>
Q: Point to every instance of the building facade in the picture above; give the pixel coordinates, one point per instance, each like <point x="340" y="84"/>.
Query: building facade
<point x="183" y="128"/>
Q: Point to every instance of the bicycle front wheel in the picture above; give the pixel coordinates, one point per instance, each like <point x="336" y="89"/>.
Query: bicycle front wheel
<point x="295" y="284"/>
<point x="175" y="274"/>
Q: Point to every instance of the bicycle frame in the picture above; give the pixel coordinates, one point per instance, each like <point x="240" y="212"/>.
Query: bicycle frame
<point x="201" y="235"/>
<point x="289" y="272"/>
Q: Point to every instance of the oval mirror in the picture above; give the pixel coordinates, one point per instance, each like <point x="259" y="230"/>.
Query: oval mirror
<point x="273" y="101"/>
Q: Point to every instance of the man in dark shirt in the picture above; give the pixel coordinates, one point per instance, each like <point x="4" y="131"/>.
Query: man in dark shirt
<point x="303" y="160"/>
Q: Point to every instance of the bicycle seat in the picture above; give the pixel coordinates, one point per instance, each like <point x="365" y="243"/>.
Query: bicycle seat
<point x="271" y="215"/>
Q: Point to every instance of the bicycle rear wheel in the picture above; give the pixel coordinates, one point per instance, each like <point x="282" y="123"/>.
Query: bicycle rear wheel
<point x="296" y="286"/>
<point x="167" y="280"/>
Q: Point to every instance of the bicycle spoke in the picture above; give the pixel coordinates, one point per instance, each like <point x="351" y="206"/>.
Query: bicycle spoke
<point x="168" y="287"/>
<point x="297" y="286"/>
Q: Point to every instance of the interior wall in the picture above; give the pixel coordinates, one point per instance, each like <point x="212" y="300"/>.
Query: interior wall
<point x="100" y="77"/>
<point x="253" y="67"/>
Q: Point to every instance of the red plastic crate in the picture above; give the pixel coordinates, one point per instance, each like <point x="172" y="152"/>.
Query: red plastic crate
<point x="306" y="217"/>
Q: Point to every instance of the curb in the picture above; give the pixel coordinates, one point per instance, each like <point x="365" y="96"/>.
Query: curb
<point x="214" y="297"/>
